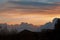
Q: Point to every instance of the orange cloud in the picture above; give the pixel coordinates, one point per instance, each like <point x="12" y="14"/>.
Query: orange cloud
<point x="33" y="16"/>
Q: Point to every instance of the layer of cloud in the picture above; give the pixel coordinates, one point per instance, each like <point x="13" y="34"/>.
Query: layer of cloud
<point x="39" y="0"/>
<point x="2" y="1"/>
<point x="25" y="5"/>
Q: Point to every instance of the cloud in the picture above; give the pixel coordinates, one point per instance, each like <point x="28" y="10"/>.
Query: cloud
<point x="2" y="1"/>
<point x="24" y="5"/>
<point x="38" y="0"/>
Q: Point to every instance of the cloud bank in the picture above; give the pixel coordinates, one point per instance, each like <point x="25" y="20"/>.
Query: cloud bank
<point x="2" y="1"/>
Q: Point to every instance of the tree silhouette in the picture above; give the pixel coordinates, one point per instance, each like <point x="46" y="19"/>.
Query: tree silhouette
<point x="13" y="31"/>
<point x="57" y="25"/>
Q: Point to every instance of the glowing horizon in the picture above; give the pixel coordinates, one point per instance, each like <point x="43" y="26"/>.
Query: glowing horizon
<point x="32" y="17"/>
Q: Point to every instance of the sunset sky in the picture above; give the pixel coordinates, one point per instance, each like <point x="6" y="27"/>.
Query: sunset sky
<point x="15" y="13"/>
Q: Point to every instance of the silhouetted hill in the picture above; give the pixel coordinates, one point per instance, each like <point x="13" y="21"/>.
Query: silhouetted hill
<point x="27" y="35"/>
<point x="25" y="32"/>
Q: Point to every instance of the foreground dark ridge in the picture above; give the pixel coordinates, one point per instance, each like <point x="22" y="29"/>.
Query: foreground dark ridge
<point x="45" y="34"/>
